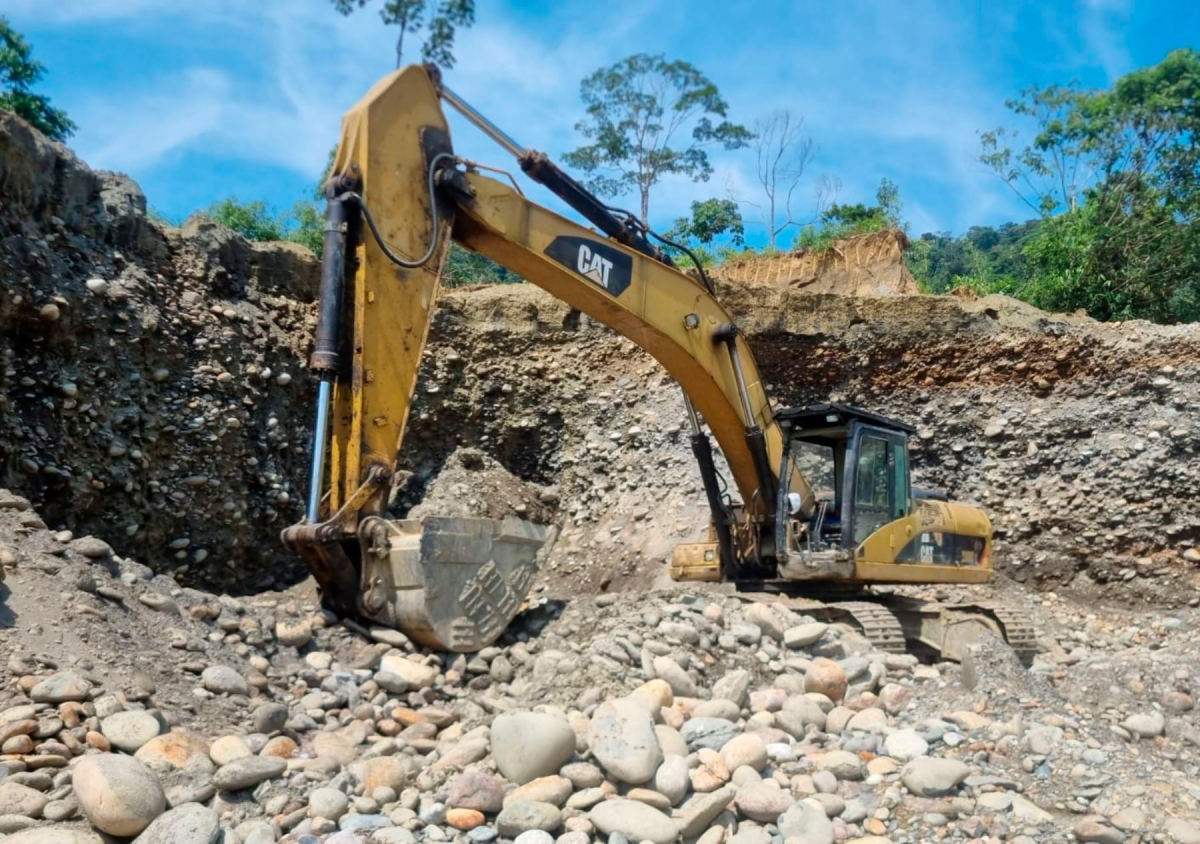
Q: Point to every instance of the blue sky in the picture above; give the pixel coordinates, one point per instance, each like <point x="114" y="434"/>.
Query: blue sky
<point x="202" y="100"/>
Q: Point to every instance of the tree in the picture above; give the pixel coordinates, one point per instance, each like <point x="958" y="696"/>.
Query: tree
<point x="304" y="224"/>
<point x="846" y="220"/>
<point x="440" y="19"/>
<point x="19" y="72"/>
<point x="711" y="219"/>
<point x="782" y="151"/>
<point x="648" y="118"/>
<point x="1121" y="170"/>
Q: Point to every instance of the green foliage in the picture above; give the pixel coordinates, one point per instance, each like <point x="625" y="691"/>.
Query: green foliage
<point x="636" y="110"/>
<point x="464" y="267"/>
<point x="439" y="19"/>
<point x="1122" y="169"/>
<point x="303" y="224"/>
<point x="841" y="221"/>
<point x="984" y="258"/>
<point x="710" y="220"/>
<point x="19" y="72"/>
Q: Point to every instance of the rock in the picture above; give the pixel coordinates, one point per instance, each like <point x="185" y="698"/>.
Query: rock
<point x="522" y="816"/>
<point x="1182" y="831"/>
<point x="698" y="813"/>
<point x="712" y="733"/>
<point x="842" y="764"/>
<point x="905" y="745"/>
<point x="807" y="822"/>
<point x="415" y="674"/>
<point x="633" y="820"/>
<point x="380" y="772"/>
<point x="1028" y="811"/>
<point x="804" y="635"/>
<point x="293" y="634"/>
<point x="1095" y="830"/>
<point x="248" y="772"/>
<point x="826" y="677"/>
<point x="763" y="801"/>
<point x="270" y="718"/>
<point x="223" y="680"/>
<point x="328" y="803"/>
<point x="118" y="794"/>
<point x="228" y="748"/>
<point x="734" y="686"/>
<point x="60" y="688"/>
<point x="668" y="670"/>
<point x="761" y="616"/>
<point x="746" y="749"/>
<point x="671" y="779"/>
<point x="930" y="777"/>
<point x="528" y="745"/>
<point x="553" y="790"/>
<point x="187" y="824"/>
<point x="92" y="547"/>
<point x="475" y="789"/>
<point x="128" y="731"/>
<point x="622" y="738"/>
<point x="468" y="819"/>
<point x="17" y="799"/>
<point x="1145" y="724"/>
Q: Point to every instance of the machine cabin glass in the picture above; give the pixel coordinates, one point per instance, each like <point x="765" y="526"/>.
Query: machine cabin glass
<point x="878" y="482"/>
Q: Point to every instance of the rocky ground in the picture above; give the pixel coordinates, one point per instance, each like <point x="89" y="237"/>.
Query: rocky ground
<point x="169" y="678"/>
<point x="136" y="709"/>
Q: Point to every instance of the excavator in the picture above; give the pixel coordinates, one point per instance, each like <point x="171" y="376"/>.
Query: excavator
<point x="827" y="508"/>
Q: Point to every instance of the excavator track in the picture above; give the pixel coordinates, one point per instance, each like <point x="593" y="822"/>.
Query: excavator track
<point x="876" y="622"/>
<point x="1019" y="631"/>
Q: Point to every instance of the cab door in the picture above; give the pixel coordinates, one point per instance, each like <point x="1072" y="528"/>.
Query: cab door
<point x="876" y="481"/>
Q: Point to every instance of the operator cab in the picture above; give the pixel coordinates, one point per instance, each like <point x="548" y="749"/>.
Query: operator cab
<point x="822" y="442"/>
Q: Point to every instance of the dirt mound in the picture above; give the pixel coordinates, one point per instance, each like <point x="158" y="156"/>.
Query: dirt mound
<point x="473" y="484"/>
<point x="866" y="265"/>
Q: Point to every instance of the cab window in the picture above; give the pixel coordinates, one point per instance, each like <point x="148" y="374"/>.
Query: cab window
<point x="871" y="480"/>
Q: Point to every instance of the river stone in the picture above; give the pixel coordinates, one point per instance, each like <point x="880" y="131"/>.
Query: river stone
<point x="187" y="824"/>
<point x="223" y="680"/>
<point x="60" y="688"/>
<point x="826" y="677"/>
<point x="622" y="738"/>
<point x="270" y="718"/>
<point x="528" y="745"/>
<point x="926" y="776"/>
<point x="712" y="733"/>
<point x="636" y="821"/>
<point x="118" y="794"/>
<point x="842" y="764"/>
<point x="671" y="779"/>
<point x="380" y="772"/>
<point x="416" y="675"/>
<point x="905" y="745"/>
<point x="475" y="789"/>
<point x="807" y="822"/>
<point x="1182" y="831"/>
<point x="523" y="815"/>
<point x="763" y="801"/>
<point x="698" y="814"/>
<point x="17" y="799"/>
<point x="1145" y="724"/>
<point x="746" y="749"/>
<point x="128" y="731"/>
<point x="248" y="772"/>
<point x="328" y="803"/>
<point x="734" y="686"/>
<point x="804" y="635"/>
<point x="668" y="670"/>
<point x="552" y="789"/>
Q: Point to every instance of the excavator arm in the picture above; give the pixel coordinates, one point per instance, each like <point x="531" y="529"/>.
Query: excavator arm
<point x="397" y="196"/>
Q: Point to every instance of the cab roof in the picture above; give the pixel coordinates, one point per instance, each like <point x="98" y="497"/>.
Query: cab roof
<point x="833" y="414"/>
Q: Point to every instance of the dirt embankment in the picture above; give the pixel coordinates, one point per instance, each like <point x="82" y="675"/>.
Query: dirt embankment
<point x="153" y="393"/>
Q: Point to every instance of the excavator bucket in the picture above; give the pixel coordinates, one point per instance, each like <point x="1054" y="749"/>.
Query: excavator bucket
<point x="451" y="583"/>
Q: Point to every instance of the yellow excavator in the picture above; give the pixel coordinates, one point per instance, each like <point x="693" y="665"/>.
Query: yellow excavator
<point x="827" y="504"/>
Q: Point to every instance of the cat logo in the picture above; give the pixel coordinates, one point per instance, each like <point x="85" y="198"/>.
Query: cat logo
<point x="598" y="262"/>
<point x="593" y="265"/>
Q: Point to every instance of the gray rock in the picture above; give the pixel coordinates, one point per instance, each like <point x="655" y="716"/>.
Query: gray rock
<point x="187" y="824"/>
<point x="622" y="738"/>
<point x="364" y="824"/>
<point x="60" y="688"/>
<point x="523" y="815"/>
<point x="668" y="670"/>
<point x="733" y="686"/>
<point x="671" y="779"/>
<point x="328" y="803"/>
<point x="806" y="821"/>
<point x="712" y="733"/>
<point x="17" y="799"/>
<point x="54" y="835"/>
<point x="697" y="814"/>
<point x="926" y="776"/>
<point x="528" y="745"/>
<point x="634" y="820"/>
<point x="223" y="680"/>
<point x="475" y="789"/>
<point x="1145" y="724"/>
<point x="128" y="731"/>
<point x="905" y="745"/>
<point x="1182" y="831"/>
<point x="270" y="718"/>
<point x="535" y="836"/>
<point x="248" y="772"/>
<point x="763" y="801"/>
<point x="804" y="635"/>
